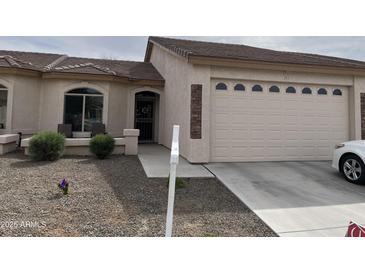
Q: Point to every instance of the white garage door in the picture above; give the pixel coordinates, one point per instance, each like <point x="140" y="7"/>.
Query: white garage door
<point x="277" y="126"/>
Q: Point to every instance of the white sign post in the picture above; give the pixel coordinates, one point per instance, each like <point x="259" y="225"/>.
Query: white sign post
<point x="174" y="160"/>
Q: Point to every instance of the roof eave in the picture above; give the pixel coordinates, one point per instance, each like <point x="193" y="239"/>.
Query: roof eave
<point x="254" y="64"/>
<point x="147" y="55"/>
<point x="152" y="43"/>
<point x="20" y="71"/>
<point x="101" y="77"/>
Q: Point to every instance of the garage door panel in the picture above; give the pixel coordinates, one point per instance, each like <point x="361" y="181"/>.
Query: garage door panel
<point x="241" y="151"/>
<point x="250" y="126"/>
<point x="257" y="134"/>
<point x="243" y="134"/>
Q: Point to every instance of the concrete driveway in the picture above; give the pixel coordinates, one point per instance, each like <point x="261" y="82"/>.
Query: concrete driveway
<point x="295" y="198"/>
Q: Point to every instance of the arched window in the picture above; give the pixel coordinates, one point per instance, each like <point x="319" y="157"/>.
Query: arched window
<point x="291" y="90"/>
<point x="337" y="92"/>
<point x="221" y="86"/>
<point x="257" y="88"/>
<point x="306" y="91"/>
<point x="83" y="107"/>
<point x="3" y="106"/>
<point x="322" y="91"/>
<point x="239" y="87"/>
<point x="274" y="89"/>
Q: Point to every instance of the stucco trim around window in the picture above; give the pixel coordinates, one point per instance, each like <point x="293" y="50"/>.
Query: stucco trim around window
<point x="100" y="89"/>
<point x="9" y="109"/>
<point x="90" y="101"/>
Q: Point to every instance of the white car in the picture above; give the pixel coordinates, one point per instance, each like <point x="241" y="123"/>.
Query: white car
<point x="349" y="159"/>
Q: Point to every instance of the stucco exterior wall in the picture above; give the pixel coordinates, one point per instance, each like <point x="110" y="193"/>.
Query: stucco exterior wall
<point x="176" y="102"/>
<point x="179" y="75"/>
<point x="117" y="111"/>
<point x="36" y="104"/>
<point x="52" y="100"/>
<point x="23" y="103"/>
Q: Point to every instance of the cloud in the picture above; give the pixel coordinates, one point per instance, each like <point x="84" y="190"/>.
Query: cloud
<point x="128" y="48"/>
<point x="133" y="47"/>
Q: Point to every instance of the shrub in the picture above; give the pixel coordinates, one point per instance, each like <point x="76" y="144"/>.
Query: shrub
<point x="102" y="146"/>
<point x="46" y="146"/>
<point x="179" y="183"/>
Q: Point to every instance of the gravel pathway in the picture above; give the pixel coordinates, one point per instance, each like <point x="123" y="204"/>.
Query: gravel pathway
<point x="113" y="197"/>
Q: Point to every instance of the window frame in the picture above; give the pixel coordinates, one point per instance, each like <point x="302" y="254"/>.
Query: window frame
<point x="335" y="90"/>
<point x="221" y="89"/>
<point x="83" y="95"/>
<point x="259" y="86"/>
<point x="276" y="87"/>
<point x="291" y="88"/>
<point x="322" y="89"/>
<point x="305" y="89"/>
<point x="240" y="90"/>
<point x="5" y="124"/>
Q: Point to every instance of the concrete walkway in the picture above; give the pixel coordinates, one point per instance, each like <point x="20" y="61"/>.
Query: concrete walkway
<point x="295" y="198"/>
<point x="155" y="160"/>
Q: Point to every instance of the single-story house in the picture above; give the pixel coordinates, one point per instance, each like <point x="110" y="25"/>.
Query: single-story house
<point x="232" y="102"/>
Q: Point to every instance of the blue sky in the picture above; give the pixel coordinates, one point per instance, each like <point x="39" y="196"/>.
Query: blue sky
<point x="133" y="47"/>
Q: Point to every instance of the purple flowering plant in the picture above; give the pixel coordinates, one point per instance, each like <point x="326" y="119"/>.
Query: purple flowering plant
<point x="63" y="185"/>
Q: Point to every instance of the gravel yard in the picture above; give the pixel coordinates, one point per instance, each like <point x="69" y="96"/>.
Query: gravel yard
<point x="112" y="197"/>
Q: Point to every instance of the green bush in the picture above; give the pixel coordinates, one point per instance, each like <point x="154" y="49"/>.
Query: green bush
<point x="46" y="146"/>
<point x="102" y="146"/>
<point x="179" y="183"/>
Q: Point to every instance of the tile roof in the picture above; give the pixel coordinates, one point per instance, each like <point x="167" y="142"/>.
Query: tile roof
<point x="187" y="48"/>
<point x="46" y="62"/>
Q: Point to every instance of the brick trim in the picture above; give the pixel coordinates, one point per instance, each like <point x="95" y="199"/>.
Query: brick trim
<point x="196" y="112"/>
<point x="362" y="100"/>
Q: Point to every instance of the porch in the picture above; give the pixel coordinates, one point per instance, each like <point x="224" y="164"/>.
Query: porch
<point x="127" y="145"/>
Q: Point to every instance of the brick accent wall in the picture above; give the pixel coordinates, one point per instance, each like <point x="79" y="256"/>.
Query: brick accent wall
<point x="196" y="112"/>
<point x="362" y="97"/>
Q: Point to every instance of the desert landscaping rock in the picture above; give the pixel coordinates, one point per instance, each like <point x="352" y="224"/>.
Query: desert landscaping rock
<point x="113" y="197"/>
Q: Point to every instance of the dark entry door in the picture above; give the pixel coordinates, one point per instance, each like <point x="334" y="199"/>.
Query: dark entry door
<point x="145" y="118"/>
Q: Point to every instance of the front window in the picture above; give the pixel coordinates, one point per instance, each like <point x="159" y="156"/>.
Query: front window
<point x="3" y="106"/>
<point x="83" y="107"/>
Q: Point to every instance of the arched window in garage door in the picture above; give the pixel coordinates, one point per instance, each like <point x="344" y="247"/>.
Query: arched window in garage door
<point x="322" y="91"/>
<point x="257" y="88"/>
<point x="221" y="86"/>
<point x="239" y="87"/>
<point x="274" y="89"/>
<point x="337" y="92"/>
<point x="291" y="90"/>
<point x="306" y="90"/>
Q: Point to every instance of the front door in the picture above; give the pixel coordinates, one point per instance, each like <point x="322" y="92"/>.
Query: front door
<point x="144" y="118"/>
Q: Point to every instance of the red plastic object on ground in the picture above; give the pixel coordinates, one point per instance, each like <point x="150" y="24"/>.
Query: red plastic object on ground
<point x="355" y="230"/>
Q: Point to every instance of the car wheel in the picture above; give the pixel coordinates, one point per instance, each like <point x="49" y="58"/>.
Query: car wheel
<point x="353" y="169"/>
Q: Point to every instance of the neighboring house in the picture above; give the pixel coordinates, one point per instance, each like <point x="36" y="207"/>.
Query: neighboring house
<point x="233" y="102"/>
<point x="39" y="91"/>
